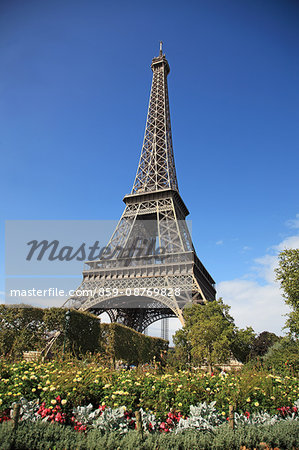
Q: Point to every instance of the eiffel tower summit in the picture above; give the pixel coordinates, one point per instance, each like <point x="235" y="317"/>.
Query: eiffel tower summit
<point x="149" y="269"/>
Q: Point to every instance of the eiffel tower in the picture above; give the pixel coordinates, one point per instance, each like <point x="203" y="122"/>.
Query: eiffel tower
<point x="149" y="270"/>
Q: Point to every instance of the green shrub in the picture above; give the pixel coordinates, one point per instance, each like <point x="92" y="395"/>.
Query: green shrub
<point x="123" y="343"/>
<point x="283" y="356"/>
<point x="43" y="436"/>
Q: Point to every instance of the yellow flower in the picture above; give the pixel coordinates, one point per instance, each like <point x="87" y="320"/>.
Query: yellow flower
<point x="33" y="389"/>
<point x="223" y="413"/>
<point x="256" y="404"/>
<point x="180" y="404"/>
<point x="248" y="400"/>
<point x="63" y="401"/>
<point x="9" y="393"/>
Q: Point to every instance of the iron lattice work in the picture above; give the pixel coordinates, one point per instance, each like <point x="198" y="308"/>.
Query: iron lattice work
<point x="156" y="168"/>
<point x="133" y="283"/>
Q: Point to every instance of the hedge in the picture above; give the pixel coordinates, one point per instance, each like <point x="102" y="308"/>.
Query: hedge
<point x="123" y="343"/>
<point x="24" y="328"/>
<point x="43" y="436"/>
<point x="80" y="334"/>
<point x="21" y="328"/>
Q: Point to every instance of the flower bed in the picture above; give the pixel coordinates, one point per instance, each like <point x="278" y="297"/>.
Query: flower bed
<point x="203" y="417"/>
<point x="79" y="383"/>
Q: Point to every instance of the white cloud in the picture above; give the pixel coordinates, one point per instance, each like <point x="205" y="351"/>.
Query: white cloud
<point x="293" y="223"/>
<point x="256" y="299"/>
<point x="253" y="304"/>
<point x="289" y="242"/>
<point x="219" y="242"/>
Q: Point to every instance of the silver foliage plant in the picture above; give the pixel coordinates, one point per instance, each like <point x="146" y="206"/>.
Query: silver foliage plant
<point x="203" y="417"/>
<point x="108" y="420"/>
<point x="111" y="419"/>
<point x="28" y="410"/>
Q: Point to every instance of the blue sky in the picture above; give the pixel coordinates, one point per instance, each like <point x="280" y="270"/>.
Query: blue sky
<point x="75" y="84"/>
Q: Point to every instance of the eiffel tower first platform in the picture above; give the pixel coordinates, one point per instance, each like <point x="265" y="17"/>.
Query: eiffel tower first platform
<point x="149" y="270"/>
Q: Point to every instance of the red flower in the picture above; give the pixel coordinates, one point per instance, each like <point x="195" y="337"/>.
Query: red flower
<point x="58" y="417"/>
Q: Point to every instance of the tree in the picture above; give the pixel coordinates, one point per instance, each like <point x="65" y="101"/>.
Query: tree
<point x="288" y="275"/>
<point x="263" y="342"/>
<point x="243" y="343"/>
<point x="210" y="330"/>
<point x="181" y="356"/>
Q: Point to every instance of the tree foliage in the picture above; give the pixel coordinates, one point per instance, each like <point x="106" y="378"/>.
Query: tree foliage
<point x="181" y="357"/>
<point x="243" y="343"/>
<point x="288" y="275"/>
<point x="210" y="331"/>
<point x="263" y="342"/>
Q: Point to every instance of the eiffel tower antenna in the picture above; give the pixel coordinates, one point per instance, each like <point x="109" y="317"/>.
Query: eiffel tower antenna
<point x="151" y="270"/>
<point x="161" y="43"/>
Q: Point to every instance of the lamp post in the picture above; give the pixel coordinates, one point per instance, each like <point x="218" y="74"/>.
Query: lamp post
<point x="66" y="327"/>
